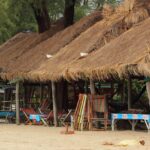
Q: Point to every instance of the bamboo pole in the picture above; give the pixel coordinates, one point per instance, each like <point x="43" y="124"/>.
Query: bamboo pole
<point x="129" y="92"/>
<point x="54" y="103"/>
<point x="92" y="87"/>
<point x="17" y="104"/>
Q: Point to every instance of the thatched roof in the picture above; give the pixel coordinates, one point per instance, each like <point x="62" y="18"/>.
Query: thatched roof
<point x="17" y="61"/>
<point x="23" y="42"/>
<point x="128" y="54"/>
<point x="91" y="40"/>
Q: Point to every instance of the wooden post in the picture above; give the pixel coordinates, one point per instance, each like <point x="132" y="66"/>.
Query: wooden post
<point x="148" y="90"/>
<point x="25" y="94"/>
<point x="123" y="91"/>
<point x="86" y="87"/>
<point x="49" y="92"/>
<point x="17" y="104"/>
<point x="92" y="87"/>
<point x="65" y="95"/>
<point x="129" y="92"/>
<point x="54" y="103"/>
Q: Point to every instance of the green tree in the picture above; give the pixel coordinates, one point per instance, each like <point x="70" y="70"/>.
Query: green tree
<point x="37" y="15"/>
<point x="6" y="25"/>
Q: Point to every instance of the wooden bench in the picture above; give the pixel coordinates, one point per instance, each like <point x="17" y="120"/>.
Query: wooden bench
<point x="132" y="118"/>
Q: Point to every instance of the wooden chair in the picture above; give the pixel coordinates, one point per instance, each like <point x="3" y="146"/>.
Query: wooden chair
<point x="27" y="112"/>
<point x="44" y="107"/>
<point x="48" y="119"/>
<point x="64" y="117"/>
<point x="97" y="110"/>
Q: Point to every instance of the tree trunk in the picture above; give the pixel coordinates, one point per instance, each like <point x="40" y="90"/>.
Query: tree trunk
<point x="69" y="12"/>
<point x="41" y="16"/>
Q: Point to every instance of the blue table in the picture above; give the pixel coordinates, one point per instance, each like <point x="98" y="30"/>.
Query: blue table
<point x="36" y="117"/>
<point x="7" y="113"/>
<point x="132" y="118"/>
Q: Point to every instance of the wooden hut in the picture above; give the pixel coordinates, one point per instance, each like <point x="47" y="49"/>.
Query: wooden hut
<point x="26" y="51"/>
<point x="65" y="47"/>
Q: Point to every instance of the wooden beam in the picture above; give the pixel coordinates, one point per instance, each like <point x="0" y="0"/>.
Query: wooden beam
<point x="17" y="104"/>
<point x="92" y="87"/>
<point x="54" y="103"/>
<point x="129" y="92"/>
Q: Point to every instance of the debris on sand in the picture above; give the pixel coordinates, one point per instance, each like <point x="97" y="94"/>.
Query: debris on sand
<point x="125" y="143"/>
<point x="67" y="131"/>
<point x="108" y="143"/>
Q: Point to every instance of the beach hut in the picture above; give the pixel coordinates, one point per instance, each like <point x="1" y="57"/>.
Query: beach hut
<point x="52" y="59"/>
<point x="26" y="51"/>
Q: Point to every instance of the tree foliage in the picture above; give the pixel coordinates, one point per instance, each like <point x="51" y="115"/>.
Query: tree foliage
<point x="18" y="15"/>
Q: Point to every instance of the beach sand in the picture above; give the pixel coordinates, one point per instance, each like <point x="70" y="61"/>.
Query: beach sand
<point x="26" y="137"/>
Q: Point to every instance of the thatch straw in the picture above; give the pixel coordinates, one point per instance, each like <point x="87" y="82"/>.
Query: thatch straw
<point x="22" y="43"/>
<point x="127" y="54"/>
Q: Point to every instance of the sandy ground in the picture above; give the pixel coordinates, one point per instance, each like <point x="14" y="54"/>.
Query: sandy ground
<point x="23" y="137"/>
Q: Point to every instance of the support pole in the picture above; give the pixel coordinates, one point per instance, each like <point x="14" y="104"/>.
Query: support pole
<point x="49" y="92"/>
<point x="129" y="92"/>
<point x="17" y="104"/>
<point x="92" y="87"/>
<point x="86" y="87"/>
<point x="54" y="103"/>
<point x="148" y="90"/>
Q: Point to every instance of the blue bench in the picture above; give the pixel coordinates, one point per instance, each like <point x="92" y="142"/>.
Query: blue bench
<point x="132" y="118"/>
